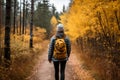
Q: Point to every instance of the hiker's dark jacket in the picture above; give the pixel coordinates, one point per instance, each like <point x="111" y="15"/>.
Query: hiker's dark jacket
<point x="51" y="48"/>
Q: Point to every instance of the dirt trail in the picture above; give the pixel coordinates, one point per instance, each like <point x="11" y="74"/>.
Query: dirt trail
<point x="74" y="69"/>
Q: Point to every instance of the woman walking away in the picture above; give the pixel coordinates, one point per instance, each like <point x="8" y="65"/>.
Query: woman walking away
<point x="59" y="51"/>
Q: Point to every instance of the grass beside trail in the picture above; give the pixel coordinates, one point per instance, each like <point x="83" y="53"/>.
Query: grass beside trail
<point x="23" y="58"/>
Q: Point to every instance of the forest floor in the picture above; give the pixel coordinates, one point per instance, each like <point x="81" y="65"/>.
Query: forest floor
<point x="75" y="69"/>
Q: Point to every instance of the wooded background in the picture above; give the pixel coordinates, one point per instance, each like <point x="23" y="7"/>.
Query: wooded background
<point x="92" y="25"/>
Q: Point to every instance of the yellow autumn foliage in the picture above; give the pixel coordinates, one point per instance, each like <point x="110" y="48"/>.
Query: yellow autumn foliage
<point x="53" y="22"/>
<point x="82" y="17"/>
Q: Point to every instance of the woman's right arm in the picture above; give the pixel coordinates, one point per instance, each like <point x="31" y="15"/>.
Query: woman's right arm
<point x="51" y="49"/>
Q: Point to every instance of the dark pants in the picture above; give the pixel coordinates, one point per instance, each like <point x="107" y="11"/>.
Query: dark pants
<point x="62" y="70"/>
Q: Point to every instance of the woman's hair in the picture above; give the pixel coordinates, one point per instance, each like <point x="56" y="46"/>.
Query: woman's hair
<point x="60" y="34"/>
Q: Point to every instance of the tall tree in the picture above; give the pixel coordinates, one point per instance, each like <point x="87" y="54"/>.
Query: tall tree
<point x="53" y="9"/>
<point x="14" y="17"/>
<point x="43" y="15"/>
<point x="0" y="12"/>
<point x="20" y="18"/>
<point x="0" y="16"/>
<point x="26" y="14"/>
<point x="23" y="17"/>
<point x="17" y="8"/>
<point x="31" y="24"/>
<point x="7" y="30"/>
<point x="0" y="29"/>
<point x="12" y="14"/>
<point x="64" y="8"/>
<point x="47" y="16"/>
<point x="3" y="12"/>
<point x="57" y="15"/>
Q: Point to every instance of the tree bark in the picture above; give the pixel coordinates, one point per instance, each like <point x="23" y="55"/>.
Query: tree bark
<point x="14" y="16"/>
<point x="0" y="31"/>
<point x="0" y="15"/>
<point x="31" y="24"/>
<point x="23" y="17"/>
<point x="7" y="31"/>
<point x="20" y="17"/>
<point x="26" y="14"/>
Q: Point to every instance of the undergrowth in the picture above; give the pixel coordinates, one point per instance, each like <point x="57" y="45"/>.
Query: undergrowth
<point x="100" y="64"/>
<point x="23" y="58"/>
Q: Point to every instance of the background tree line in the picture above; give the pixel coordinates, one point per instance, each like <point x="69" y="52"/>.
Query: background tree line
<point x="17" y="16"/>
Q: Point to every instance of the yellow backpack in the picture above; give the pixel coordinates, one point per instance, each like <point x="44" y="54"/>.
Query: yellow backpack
<point x="60" y="51"/>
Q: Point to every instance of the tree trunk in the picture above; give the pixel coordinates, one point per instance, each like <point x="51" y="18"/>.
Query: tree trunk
<point x="26" y="14"/>
<point x="31" y="24"/>
<point x="3" y="12"/>
<point x="20" y="17"/>
<point x="0" y="17"/>
<point x="23" y="17"/>
<point x="14" y="16"/>
<point x="7" y="31"/>
<point x="0" y="32"/>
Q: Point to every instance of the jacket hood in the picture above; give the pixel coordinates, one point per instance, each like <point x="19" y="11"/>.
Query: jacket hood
<point x="60" y="35"/>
